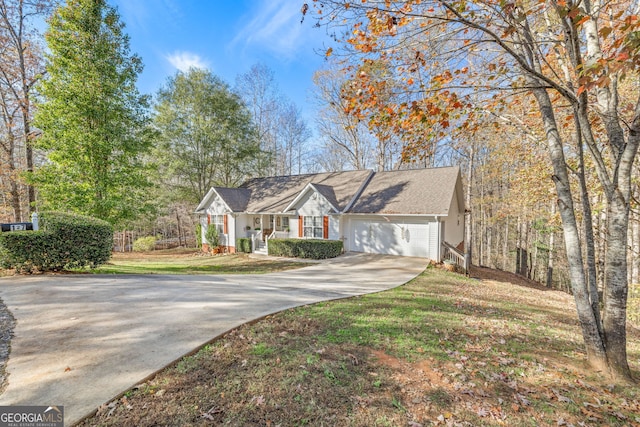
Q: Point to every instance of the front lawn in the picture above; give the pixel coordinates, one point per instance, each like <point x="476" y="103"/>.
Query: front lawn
<point x="192" y="261"/>
<point x="440" y="350"/>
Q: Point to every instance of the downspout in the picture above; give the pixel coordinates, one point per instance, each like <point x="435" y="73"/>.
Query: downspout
<point x="439" y="246"/>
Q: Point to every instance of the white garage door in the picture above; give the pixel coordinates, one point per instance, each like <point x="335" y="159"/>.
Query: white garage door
<point x="382" y="237"/>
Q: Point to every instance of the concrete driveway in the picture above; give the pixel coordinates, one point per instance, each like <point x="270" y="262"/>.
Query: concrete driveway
<point x="81" y="340"/>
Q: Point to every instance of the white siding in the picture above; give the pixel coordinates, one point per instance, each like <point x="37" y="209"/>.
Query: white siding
<point x="334" y="227"/>
<point x="454" y="224"/>
<point x="434" y="241"/>
<point x="231" y="230"/>
<point x="241" y="223"/>
<point x="293" y="226"/>
<point x="314" y="204"/>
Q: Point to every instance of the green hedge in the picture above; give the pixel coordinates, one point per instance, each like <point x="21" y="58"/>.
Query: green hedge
<point x="305" y="248"/>
<point x="63" y="241"/>
<point x="243" y="244"/>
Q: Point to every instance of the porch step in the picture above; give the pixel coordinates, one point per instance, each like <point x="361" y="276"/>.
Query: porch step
<point x="261" y="251"/>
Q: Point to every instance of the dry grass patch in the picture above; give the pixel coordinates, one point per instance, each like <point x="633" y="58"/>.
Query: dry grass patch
<point x="441" y="350"/>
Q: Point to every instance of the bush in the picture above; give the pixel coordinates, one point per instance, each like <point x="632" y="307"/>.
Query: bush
<point x="199" y="235"/>
<point x="212" y="236"/>
<point x="305" y="248"/>
<point x="243" y="244"/>
<point x="63" y="241"/>
<point x="144" y="244"/>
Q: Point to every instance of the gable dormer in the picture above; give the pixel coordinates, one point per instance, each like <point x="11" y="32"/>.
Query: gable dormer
<point x="314" y="200"/>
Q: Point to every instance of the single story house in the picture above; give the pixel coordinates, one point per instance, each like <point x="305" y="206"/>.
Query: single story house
<point x="416" y="212"/>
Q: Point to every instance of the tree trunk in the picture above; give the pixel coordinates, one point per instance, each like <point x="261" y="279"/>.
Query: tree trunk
<point x="592" y="277"/>
<point x="13" y="181"/>
<point x="551" y="250"/>
<point x="468" y="236"/>
<point x="505" y="247"/>
<point x="615" y="300"/>
<point x="593" y="342"/>
<point x="635" y="249"/>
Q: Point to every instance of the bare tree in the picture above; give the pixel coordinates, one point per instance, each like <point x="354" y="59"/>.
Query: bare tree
<point x="21" y="66"/>
<point x="293" y="133"/>
<point x="259" y="90"/>
<point x="343" y="134"/>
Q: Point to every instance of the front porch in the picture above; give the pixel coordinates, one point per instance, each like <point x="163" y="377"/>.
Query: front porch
<point x="262" y="227"/>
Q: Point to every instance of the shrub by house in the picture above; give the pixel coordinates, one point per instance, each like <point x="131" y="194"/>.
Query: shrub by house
<point x="305" y="248"/>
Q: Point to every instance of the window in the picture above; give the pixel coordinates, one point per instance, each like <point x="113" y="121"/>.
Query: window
<point x="313" y="226"/>
<point x="282" y="223"/>
<point x="218" y="222"/>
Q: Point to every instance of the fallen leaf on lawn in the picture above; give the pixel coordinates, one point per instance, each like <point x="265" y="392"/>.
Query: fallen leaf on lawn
<point x="592" y="416"/>
<point x="354" y="360"/>
<point x="522" y="400"/>
<point x="619" y="415"/>
<point x="560" y="397"/>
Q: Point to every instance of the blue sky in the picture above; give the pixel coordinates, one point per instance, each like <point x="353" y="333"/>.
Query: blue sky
<point x="227" y="37"/>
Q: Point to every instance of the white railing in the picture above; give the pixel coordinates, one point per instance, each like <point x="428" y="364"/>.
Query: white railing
<point x="454" y="255"/>
<point x="255" y="241"/>
<point x="270" y="236"/>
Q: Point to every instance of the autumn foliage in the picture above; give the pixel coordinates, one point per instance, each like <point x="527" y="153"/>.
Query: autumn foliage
<point x="454" y="70"/>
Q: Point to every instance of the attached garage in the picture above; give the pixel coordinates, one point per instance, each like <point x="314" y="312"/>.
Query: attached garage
<point x="393" y="236"/>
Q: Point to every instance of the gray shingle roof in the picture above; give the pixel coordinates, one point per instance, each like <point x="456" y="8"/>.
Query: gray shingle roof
<point x="409" y="192"/>
<point x="236" y="198"/>
<point x="274" y="194"/>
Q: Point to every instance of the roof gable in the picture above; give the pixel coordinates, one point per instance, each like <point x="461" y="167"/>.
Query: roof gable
<point x="324" y="191"/>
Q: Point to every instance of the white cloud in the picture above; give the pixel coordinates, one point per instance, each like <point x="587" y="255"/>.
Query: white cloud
<point x="185" y="60"/>
<point x="275" y="25"/>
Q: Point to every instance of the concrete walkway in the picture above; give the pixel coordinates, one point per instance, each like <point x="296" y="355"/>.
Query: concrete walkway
<point x="81" y="340"/>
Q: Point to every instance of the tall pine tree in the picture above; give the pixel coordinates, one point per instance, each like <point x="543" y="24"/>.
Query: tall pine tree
<point x="92" y="117"/>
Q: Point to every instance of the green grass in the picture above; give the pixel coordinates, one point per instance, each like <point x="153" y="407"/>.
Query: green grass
<point x="166" y="262"/>
<point x="440" y="350"/>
